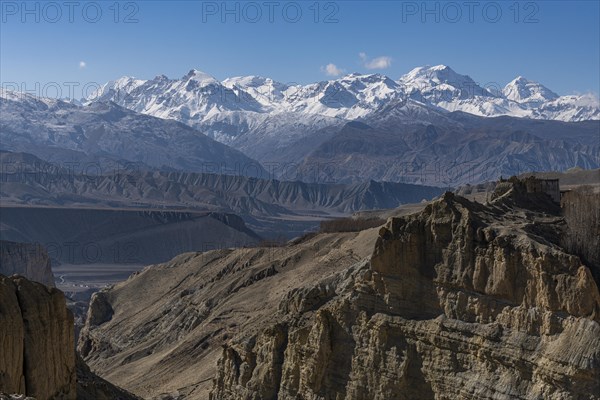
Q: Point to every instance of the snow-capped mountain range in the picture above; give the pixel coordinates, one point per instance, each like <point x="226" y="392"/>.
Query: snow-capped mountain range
<point x="431" y="126"/>
<point x="225" y="109"/>
<point x="274" y="122"/>
<point x="110" y="136"/>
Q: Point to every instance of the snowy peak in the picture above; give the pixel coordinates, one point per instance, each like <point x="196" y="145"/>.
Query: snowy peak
<point x="522" y="90"/>
<point x="441" y="83"/>
<point x="116" y="88"/>
<point x="371" y="90"/>
<point x="357" y="82"/>
<point x="202" y="78"/>
<point x="126" y="82"/>
<point x="251" y="81"/>
<point x="364" y="88"/>
<point x="437" y="73"/>
<point x="266" y="91"/>
<point x="570" y="108"/>
<point x="350" y="97"/>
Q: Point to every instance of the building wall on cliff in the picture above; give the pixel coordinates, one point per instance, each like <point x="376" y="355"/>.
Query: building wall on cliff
<point x="548" y="186"/>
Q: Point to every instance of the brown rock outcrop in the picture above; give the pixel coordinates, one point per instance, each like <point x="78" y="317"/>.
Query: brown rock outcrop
<point x="12" y="379"/>
<point x="458" y="301"/>
<point x="581" y="209"/>
<point x="37" y="356"/>
<point x="461" y="301"/>
<point x="36" y="335"/>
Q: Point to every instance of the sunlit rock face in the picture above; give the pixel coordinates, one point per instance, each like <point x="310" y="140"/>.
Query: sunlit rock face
<point x="460" y="301"/>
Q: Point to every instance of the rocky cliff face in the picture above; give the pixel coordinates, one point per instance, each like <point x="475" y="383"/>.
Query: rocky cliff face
<point x="458" y="301"/>
<point x="581" y="209"/>
<point x="461" y="301"/>
<point x="37" y="356"/>
<point x="28" y="260"/>
<point x="36" y="341"/>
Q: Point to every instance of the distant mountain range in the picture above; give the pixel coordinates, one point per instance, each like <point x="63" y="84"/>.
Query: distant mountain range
<point x="432" y="126"/>
<point x="197" y="98"/>
<point x="306" y="126"/>
<point x="111" y="135"/>
<point x="28" y="180"/>
<point x="269" y="206"/>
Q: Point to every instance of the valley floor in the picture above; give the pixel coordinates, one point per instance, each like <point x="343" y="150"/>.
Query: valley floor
<point x="73" y="279"/>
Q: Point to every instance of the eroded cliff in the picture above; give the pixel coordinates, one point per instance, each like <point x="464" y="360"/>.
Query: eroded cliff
<point x="37" y="354"/>
<point x="36" y="339"/>
<point x="460" y="301"/>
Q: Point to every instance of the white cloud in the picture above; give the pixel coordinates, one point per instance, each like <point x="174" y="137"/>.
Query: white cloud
<point x="82" y="64"/>
<point x="382" y="62"/>
<point x="332" y="70"/>
<point x="379" y="63"/>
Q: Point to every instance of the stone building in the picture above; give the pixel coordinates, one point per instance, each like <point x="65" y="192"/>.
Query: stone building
<point x="548" y="186"/>
<point x="529" y="185"/>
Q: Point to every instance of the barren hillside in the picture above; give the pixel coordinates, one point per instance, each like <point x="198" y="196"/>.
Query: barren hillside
<point x="458" y="301"/>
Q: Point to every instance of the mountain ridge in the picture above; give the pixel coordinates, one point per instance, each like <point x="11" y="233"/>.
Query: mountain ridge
<point x="288" y="125"/>
<point x="439" y="86"/>
<point x="52" y="128"/>
<point x="301" y="129"/>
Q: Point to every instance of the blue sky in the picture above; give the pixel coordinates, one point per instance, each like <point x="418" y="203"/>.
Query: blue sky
<point x="555" y="43"/>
